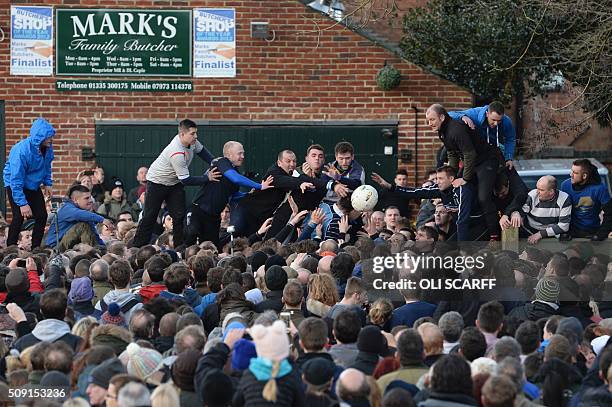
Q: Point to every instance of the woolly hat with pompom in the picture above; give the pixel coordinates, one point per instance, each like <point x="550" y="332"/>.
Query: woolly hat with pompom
<point x="271" y="342"/>
<point x="113" y="316"/>
<point x="141" y="362"/>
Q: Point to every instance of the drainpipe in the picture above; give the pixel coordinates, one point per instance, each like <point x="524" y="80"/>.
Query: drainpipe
<point x="416" y="146"/>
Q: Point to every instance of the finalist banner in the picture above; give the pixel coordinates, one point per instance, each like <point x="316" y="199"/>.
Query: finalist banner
<point x="214" y="43"/>
<point x="31" y="41"/>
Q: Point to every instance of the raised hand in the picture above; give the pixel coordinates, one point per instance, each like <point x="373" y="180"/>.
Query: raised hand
<point x="265" y="227"/>
<point x="343" y="225"/>
<point x="306" y="185"/>
<point x="307" y="170"/>
<point x="380" y="181"/>
<point x="341" y="190"/>
<point x="293" y="206"/>
<point x="298" y="217"/>
<point x="369" y="225"/>
<point x="331" y="172"/>
<point x="318" y="216"/>
<point x="267" y="183"/>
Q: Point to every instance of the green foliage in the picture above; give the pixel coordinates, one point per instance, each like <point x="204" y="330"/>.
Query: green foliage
<point x="500" y="48"/>
<point x="474" y="44"/>
<point x="388" y="78"/>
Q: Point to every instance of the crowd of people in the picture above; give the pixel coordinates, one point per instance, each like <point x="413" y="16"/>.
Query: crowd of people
<point x="263" y="293"/>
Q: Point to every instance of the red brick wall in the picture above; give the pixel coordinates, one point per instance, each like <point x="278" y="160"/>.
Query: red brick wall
<point x="302" y="75"/>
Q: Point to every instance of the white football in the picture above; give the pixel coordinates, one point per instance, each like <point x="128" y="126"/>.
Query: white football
<point x="364" y="198"/>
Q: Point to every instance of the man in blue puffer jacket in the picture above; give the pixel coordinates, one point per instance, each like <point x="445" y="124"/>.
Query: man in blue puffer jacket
<point x="27" y="168"/>
<point x="493" y="126"/>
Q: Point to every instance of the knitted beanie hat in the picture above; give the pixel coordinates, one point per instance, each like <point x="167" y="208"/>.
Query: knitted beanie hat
<point x="244" y="351"/>
<point x="183" y="369"/>
<point x="17" y="281"/>
<point x="271" y="342"/>
<point x="275" y="260"/>
<point x="371" y="340"/>
<point x="547" y="290"/>
<point x="258" y="259"/>
<point x="141" y="362"/>
<point x="318" y="371"/>
<point x="113" y="316"/>
<point x="276" y="278"/>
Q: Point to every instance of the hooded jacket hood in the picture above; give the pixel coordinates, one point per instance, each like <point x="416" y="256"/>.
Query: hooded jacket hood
<point x="40" y="131"/>
<point x="26" y="167"/>
<point x="121" y="298"/>
<point x="50" y="330"/>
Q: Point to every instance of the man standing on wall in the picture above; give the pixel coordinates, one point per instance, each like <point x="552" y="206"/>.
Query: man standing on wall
<point x="480" y="160"/>
<point x="27" y="168"/>
<point x="166" y="179"/>
<point x="493" y="126"/>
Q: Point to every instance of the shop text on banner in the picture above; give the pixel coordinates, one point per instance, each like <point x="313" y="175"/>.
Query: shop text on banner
<point x="214" y="43"/>
<point x="31" y="41"/>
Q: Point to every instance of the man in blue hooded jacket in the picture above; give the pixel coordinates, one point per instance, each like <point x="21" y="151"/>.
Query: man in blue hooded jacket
<point x="76" y="223"/>
<point x="27" y="168"/>
<point x="492" y="125"/>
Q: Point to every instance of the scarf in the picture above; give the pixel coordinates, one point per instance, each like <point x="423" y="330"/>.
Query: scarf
<point x="262" y="369"/>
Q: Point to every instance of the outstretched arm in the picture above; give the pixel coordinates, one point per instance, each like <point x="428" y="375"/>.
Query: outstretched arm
<point x="205" y="155"/>
<point x="240" y="179"/>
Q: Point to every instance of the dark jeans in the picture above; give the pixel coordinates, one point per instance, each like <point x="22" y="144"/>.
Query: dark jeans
<point x="175" y="202"/>
<point x="201" y="226"/>
<point x="486" y="172"/>
<point x="36" y="200"/>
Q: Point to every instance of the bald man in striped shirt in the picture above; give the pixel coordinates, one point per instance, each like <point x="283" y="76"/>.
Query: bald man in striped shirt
<point x="548" y="210"/>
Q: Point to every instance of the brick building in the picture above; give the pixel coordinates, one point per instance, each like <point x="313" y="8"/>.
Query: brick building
<point x="311" y="71"/>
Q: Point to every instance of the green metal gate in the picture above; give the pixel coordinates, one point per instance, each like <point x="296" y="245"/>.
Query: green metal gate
<point x="122" y="148"/>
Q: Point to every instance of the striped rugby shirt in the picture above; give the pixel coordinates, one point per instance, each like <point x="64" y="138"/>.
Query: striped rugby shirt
<point x="550" y="218"/>
<point x="172" y="165"/>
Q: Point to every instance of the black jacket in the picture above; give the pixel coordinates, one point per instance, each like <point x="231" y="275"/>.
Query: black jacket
<point x="273" y="301"/>
<point x="214" y="359"/>
<point x="448" y="399"/>
<point x="467" y="308"/>
<point x="463" y="143"/>
<point x="533" y="311"/>
<point x="84" y="308"/>
<point x="313" y="400"/>
<point x="366" y="362"/>
<point x="517" y="194"/>
<point x="163" y="343"/>
<point x="262" y="204"/>
<point x="250" y="391"/>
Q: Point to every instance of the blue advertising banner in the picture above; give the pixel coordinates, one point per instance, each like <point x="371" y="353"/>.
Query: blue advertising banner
<point x="214" y="43"/>
<point x="31" y="40"/>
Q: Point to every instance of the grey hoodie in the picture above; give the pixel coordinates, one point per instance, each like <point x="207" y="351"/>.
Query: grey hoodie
<point x="50" y="330"/>
<point x="121" y="298"/>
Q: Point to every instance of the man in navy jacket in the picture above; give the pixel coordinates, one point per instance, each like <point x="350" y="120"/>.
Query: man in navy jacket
<point x="27" y="168"/>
